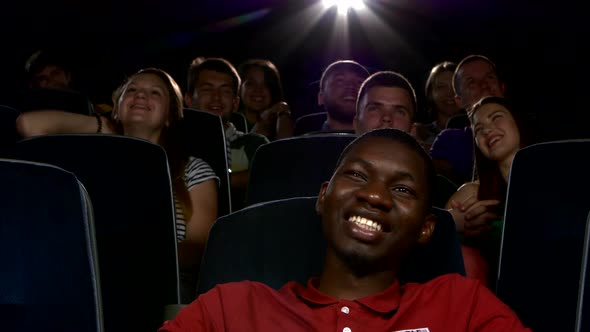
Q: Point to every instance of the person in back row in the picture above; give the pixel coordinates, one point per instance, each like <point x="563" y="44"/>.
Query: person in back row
<point x="477" y="207"/>
<point x="452" y="150"/>
<point x="212" y="86"/>
<point x="375" y="209"/>
<point x="262" y="100"/>
<point x="440" y="100"/>
<point x="149" y="106"/>
<point x="386" y="99"/>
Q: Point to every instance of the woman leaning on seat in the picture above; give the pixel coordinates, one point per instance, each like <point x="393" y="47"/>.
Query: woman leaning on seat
<point x="477" y="207"/>
<point x="149" y="106"/>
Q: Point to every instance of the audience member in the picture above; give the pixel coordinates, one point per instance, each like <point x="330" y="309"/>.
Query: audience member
<point x="386" y="99"/>
<point x="213" y="86"/>
<point x="339" y="87"/>
<point x="262" y="101"/>
<point x="149" y="106"/>
<point x="375" y="210"/>
<point x="477" y="207"/>
<point x="440" y="99"/>
<point x="51" y="69"/>
<point x="452" y="151"/>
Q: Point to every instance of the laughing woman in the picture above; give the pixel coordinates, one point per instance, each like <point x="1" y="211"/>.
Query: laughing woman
<point x="477" y="207"/>
<point x="149" y="106"/>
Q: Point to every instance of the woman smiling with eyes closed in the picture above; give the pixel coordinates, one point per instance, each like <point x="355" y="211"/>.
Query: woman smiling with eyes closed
<point x="477" y="207"/>
<point x="149" y="106"/>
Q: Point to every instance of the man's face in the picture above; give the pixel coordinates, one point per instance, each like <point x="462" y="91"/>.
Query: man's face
<point x="214" y="93"/>
<point x="51" y="77"/>
<point x="374" y="209"/>
<point x="477" y="79"/>
<point x="385" y="107"/>
<point x="339" y="94"/>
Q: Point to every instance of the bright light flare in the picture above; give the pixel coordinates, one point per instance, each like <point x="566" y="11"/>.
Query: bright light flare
<point x="344" y="5"/>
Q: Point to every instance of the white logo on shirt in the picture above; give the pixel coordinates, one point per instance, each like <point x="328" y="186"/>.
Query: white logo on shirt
<point x="423" y="329"/>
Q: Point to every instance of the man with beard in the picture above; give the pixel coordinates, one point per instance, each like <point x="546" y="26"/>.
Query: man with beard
<point x="375" y="209"/>
<point x="339" y="88"/>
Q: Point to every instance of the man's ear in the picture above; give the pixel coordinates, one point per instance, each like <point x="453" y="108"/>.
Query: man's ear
<point x="427" y="229"/>
<point x="188" y="100"/>
<point x="319" y="204"/>
<point x="320" y="98"/>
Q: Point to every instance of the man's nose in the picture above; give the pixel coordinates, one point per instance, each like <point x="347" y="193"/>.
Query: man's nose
<point x="377" y="195"/>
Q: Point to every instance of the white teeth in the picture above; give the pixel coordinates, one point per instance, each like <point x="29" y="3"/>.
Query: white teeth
<point x="366" y="223"/>
<point x="494" y="140"/>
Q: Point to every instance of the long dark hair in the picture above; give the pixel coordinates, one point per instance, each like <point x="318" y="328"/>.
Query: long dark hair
<point x="272" y="78"/>
<point x="491" y="182"/>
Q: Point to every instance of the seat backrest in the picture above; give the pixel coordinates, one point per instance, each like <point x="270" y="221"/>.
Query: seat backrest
<point x="48" y="262"/>
<point x="129" y="183"/>
<point x="8" y="133"/>
<point x="55" y="99"/>
<point x="280" y="241"/>
<point x="309" y="123"/>
<point x="239" y="120"/>
<point x="204" y="137"/>
<point x="297" y="166"/>
<point x="294" y="167"/>
<point x="543" y="236"/>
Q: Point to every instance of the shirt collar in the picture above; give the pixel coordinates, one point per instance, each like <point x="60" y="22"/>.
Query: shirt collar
<point x="383" y="303"/>
<point x="231" y="133"/>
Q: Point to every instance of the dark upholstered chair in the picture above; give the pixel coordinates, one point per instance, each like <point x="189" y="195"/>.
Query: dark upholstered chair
<point x="543" y="254"/>
<point x="280" y="241"/>
<point x="294" y="167"/>
<point x="204" y="137"/>
<point x="128" y="181"/>
<point x="8" y="133"/>
<point x="297" y="166"/>
<point x="309" y="123"/>
<point x="48" y="261"/>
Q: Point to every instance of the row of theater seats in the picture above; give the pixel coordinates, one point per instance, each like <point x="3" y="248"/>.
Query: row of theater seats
<point x="544" y="250"/>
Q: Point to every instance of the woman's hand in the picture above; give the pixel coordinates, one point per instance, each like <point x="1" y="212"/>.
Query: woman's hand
<point x="268" y="121"/>
<point x="474" y="217"/>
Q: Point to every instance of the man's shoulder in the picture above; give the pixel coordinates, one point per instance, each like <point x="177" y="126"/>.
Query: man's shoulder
<point x="452" y="282"/>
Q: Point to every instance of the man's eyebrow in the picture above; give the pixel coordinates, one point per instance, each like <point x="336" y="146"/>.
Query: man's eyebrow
<point x="367" y="163"/>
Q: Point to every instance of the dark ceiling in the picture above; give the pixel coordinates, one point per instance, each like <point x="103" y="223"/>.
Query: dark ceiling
<point x="533" y="42"/>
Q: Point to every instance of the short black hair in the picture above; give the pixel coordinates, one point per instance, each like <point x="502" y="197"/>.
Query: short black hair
<point x="387" y="79"/>
<point x="406" y="139"/>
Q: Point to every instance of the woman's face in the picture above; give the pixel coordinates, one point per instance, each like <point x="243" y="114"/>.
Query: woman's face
<point x="443" y="95"/>
<point x="254" y="92"/>
<point x="495" y="131"/>
<point x="144" y="103"/>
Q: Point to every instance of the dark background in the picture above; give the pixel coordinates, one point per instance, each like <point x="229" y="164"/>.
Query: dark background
<point x="537" y="46"/>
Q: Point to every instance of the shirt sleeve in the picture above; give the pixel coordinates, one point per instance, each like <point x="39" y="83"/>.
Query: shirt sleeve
<point x="490" y="314"/>
<point x="198" y="171"/>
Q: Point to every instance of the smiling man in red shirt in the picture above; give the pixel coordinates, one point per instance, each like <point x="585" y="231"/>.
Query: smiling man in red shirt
<point x="374" y="210"/>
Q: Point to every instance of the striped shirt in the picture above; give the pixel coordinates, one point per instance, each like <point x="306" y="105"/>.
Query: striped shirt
<point x="196" y="172"/>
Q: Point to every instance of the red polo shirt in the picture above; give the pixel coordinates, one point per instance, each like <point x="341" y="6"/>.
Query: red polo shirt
<point x="446" y="303"/>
